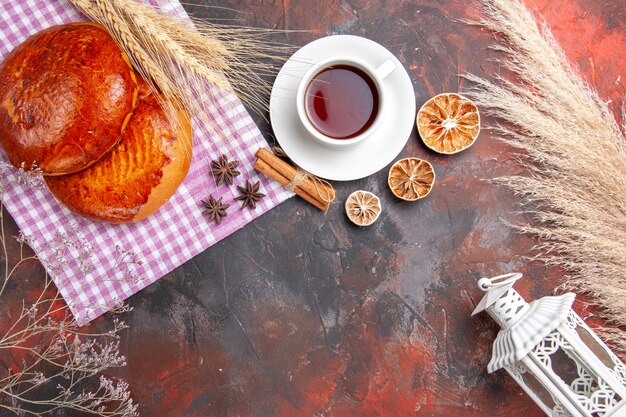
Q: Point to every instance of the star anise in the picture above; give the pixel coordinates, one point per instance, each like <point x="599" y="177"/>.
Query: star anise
<point x="224" y="171"/>
<point x="215" y="210"/>
<point x="249" y="195"/>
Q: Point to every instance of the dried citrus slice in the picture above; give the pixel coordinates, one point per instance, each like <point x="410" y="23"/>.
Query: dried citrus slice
<point x="448" y="123"/>
<point x="363" y="208"/>
<point x="411" y="178"/>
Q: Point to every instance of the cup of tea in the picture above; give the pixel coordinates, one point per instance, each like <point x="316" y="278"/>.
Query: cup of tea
<point x="340" y="100"/>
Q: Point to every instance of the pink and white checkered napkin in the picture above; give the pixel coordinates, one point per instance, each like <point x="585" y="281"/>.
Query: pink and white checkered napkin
<point x="96" y="265"/>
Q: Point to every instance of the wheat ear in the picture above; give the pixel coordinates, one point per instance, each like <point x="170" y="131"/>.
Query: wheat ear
<point x="180" y="59"/>
<point x="575" y="152"/>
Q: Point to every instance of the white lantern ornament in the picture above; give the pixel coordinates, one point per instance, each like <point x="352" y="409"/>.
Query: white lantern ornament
<point x="555" y="357"/>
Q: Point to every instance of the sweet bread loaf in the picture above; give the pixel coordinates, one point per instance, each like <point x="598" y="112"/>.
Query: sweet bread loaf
<point x="73" y="109"/>
<point x="139" y="174"/>
<point x="66" y="94"/>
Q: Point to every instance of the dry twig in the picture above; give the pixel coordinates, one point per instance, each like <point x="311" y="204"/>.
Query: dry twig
<point x="60" y="364"/>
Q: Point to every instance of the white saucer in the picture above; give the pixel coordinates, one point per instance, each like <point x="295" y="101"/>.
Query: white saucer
<point x="362" y="159"/>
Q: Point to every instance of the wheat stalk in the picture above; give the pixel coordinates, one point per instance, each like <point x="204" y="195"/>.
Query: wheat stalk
<point x="575" y="152"/>
<point x="180" y="59"/>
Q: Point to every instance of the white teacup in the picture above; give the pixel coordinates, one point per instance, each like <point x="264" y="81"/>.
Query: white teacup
<point x="376" y="75"/>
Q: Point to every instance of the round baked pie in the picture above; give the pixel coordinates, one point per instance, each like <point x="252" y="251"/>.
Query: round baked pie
<point x="139" y="175"/>
<point x="66" y="95"/>
<point x="72" y="108"/>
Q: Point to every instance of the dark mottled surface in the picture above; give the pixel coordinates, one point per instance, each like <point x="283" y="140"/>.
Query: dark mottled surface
<point x="304" y="314"/>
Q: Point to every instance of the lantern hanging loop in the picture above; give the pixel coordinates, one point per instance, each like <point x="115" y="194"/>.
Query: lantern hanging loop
<point x="499" y="281"/>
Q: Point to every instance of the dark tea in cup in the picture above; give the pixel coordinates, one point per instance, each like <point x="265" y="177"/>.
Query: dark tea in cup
<point x="341" y="101"/>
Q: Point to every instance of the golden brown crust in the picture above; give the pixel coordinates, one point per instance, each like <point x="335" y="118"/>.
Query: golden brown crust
<point x="66" y="94"/>
<point x="137" y="176"/>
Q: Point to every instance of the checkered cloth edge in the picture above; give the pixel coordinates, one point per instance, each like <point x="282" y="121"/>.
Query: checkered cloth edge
<point x="94" y="265"/>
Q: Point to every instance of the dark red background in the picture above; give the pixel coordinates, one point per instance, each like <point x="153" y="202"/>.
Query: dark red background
<point x="304" y="314"/>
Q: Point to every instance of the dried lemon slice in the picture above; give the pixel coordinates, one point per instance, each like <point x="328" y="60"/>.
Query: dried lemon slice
<point x="363" y="208"/>
<point x="411" y="178"/>
<point x="448" y="123"/>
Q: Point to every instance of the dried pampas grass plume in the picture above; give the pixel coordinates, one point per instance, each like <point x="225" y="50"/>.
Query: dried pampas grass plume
<point x="575" y="152"/>
<point x="180" y="59"/>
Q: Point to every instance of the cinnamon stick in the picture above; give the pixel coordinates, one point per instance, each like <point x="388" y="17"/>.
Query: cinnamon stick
<point x="311" y="189"/>
<point x="263" y="167"/>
